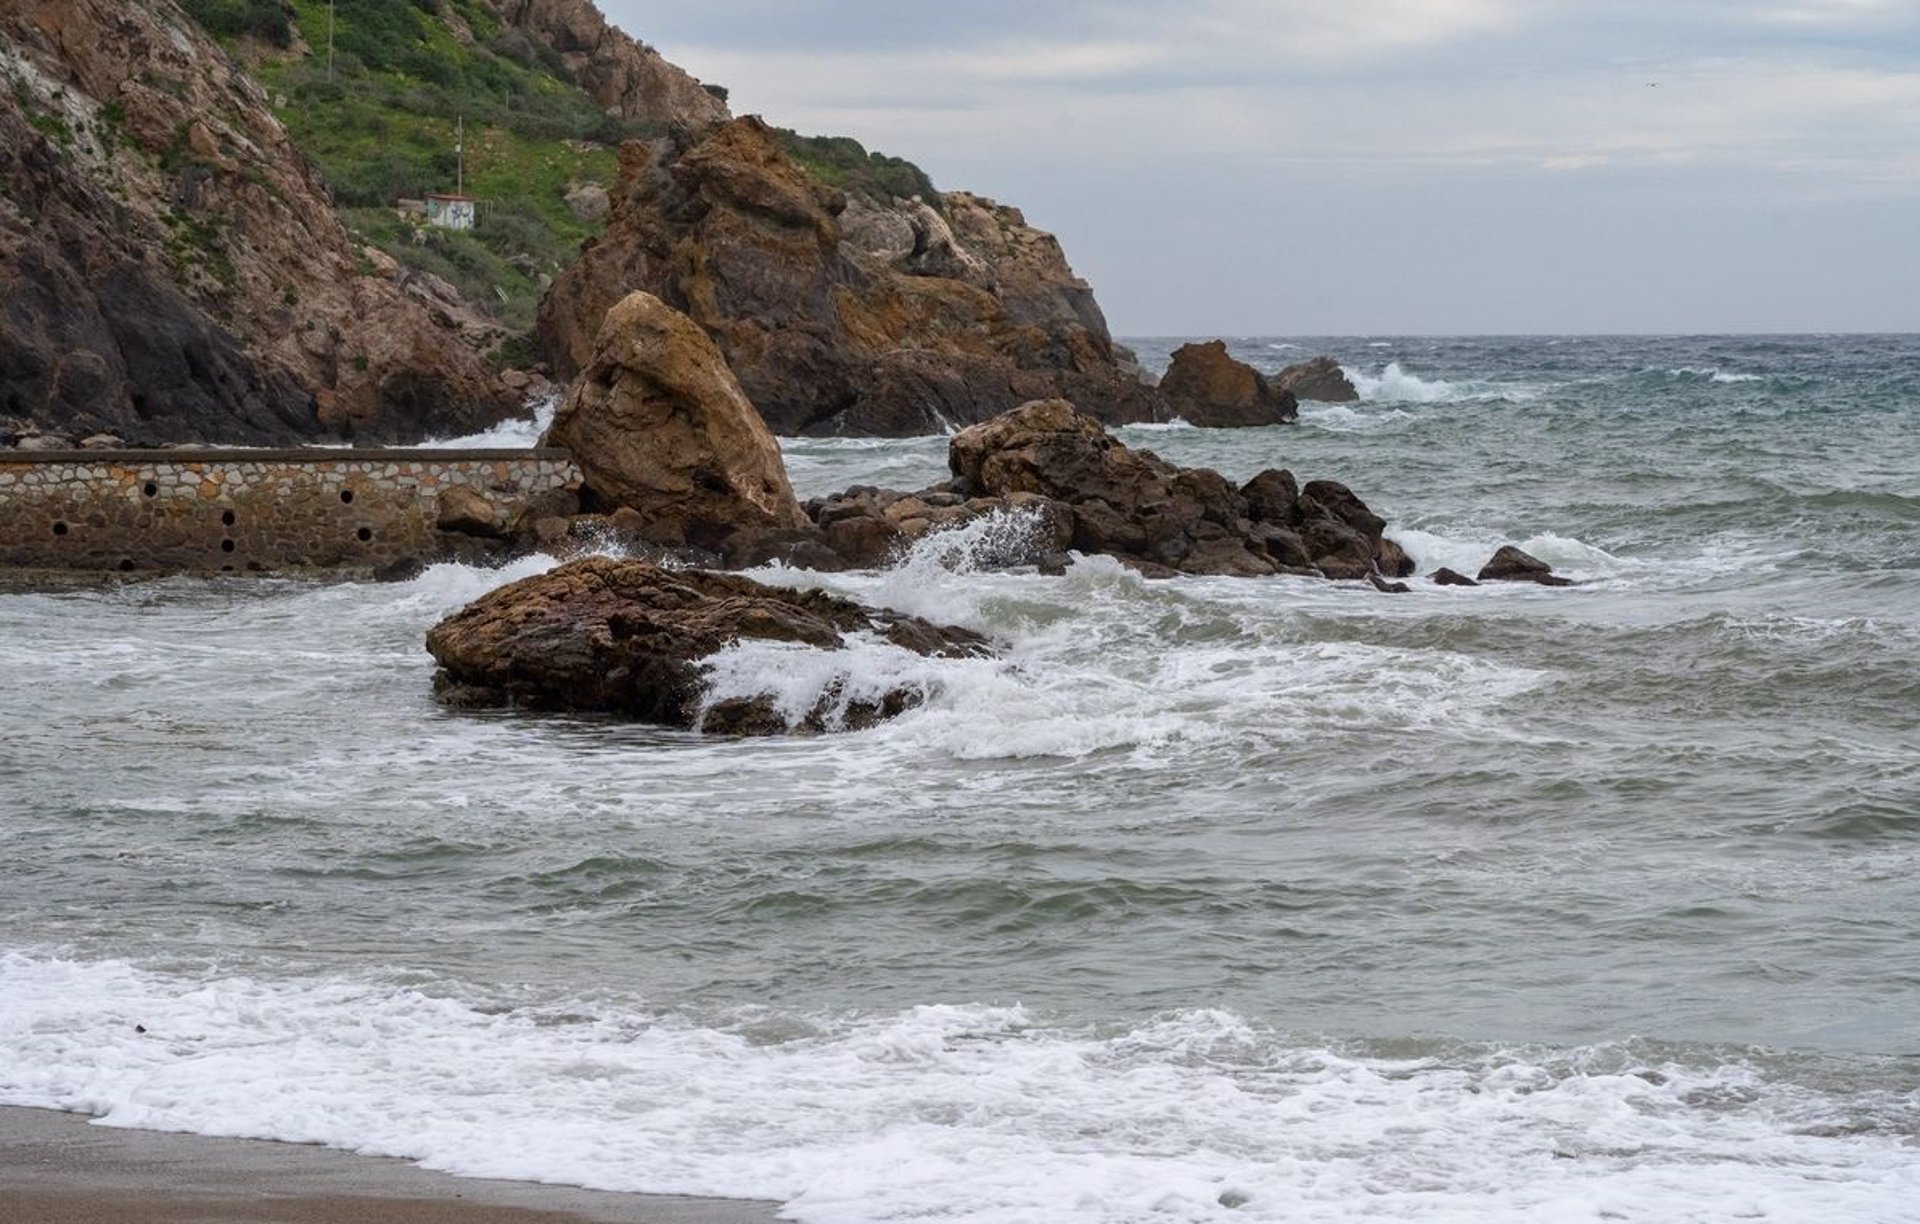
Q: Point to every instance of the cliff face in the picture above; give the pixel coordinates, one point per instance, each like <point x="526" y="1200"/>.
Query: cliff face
<point x="844" y="314"/>
<point x="173" y="268"/>
<point x="627" y="77"/>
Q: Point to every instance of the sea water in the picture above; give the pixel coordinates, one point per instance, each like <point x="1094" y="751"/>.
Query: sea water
<point x="1207" y="899"/>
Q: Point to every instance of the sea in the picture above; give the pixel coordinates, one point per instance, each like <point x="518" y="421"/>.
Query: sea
<point x="1207" y="899"/>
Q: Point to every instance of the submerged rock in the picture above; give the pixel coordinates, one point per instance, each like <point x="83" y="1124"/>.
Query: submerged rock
<point x="629" y="638"/>
<point x="1318" y="379"/>
<point x="1209" y="387"/>
<point x="1510" y="564"/>
<point x="1449" y="577"/>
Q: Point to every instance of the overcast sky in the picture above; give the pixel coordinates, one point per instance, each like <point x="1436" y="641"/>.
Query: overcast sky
<point x="1387" y="166"/>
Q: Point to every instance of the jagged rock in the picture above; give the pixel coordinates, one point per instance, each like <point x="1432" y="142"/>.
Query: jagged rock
<point x="1207" y="386"/>
<point x="627" y="77"/>
<point x="1510" y="564"/>
<point x="628" y="638"/>
<point x="1320" y="378"/>
<point x="1448" y="577"/>
<point x="658" y="423"/>
<point x="1162" y="518"/>
<point x="173" y="268"/>
<point x="587" y="201"/>
<point x="839" y="316"/>
<point x="1388" y="588"/>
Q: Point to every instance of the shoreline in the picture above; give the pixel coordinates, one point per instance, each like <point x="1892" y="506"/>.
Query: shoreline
<point x="58" y="1168"/>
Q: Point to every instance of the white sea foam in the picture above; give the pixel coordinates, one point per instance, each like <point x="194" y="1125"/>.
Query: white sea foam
<point x="1715" y="374"/>
<point x="957" y="1113"/>
<point x="1395" y="385"/>
<point x="513" y="434"/>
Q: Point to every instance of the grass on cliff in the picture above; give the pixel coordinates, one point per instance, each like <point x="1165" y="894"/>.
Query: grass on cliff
<point x="381" y="126"/>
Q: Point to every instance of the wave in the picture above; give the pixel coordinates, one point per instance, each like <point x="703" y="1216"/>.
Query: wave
<point x="961" y="1113"/>
<point x="1394" y="385"/>
<point x="515" y="434"/>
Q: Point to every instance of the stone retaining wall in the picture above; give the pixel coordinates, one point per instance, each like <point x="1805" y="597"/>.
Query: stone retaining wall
<point x="250" y="510"/>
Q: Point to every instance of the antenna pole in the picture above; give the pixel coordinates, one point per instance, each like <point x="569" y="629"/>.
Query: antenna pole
<point x="460" y="155"/>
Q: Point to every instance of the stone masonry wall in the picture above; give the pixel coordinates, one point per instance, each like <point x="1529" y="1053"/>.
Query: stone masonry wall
<point x="245" y="511"/>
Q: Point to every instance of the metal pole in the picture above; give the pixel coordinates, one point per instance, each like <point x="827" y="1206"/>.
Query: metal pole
<point x="460" y="156"/>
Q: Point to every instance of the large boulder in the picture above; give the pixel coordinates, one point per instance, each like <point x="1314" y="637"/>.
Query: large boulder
<point x="624" y="75"/>
<point x="1207" y="386"/>
<point x="629" y="638"/>
<point x="1320" y="378"/>
<point x="843" y="314"/>
<point x="657" y="423"/>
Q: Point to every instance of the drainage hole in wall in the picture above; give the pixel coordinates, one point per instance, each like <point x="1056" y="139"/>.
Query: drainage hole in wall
<point x="226" y="517"/>
<point x="346" y="497"/>
<point x="60" y="529"/>
<point x="126" y="563"/>
<point x="226" y="546"/>
<point x="365" y="534"/>
<point x="152" y="489"/>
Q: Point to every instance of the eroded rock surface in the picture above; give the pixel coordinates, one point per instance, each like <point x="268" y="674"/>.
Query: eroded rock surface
<point x="621" y="73"/>
<point x="173" y="268"/>
<point x="1511" y="564"/>
<point x="843" y="315"/>
<point x="1209" y="387"/>
<point x="658" y="425"/>
<point x="629" y="638"/>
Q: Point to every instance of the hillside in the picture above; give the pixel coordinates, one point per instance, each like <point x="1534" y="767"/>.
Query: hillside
<point x="545" y="91"/>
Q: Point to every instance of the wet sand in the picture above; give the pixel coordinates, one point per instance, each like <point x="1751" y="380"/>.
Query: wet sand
<point x="58" y="1168"/>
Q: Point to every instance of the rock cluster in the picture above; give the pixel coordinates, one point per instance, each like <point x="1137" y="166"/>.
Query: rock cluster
<point x="1082" y="489"/>
<point x="1207" y="387"/>
<point x="173" y="268"/>
<point x="843" y="314"/>
<point x="629" y="638"/>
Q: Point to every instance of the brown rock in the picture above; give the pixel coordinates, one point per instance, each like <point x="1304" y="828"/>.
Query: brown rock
<point x="627" y="77"/>
<point x="657" y="423"/>
<point x="1318" y="379"/>
<point x="192" y="281"/>
<point x="464" y="510"/>
<point x="1447" y="577"/>
<point x="1510" y="564"/>
<point x="1206" y="386"/>
<point x="629" y="638"/>
<point x="902" y="321"/>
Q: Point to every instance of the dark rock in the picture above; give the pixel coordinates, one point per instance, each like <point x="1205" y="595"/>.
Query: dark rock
<point x="1388" y="588"/>
<point x="1510" y="564"/>
<point x="1208" y="387"/>
<point x="1318" y="379"/>
<point x="1272" y="496"/>
<point x="1446" y="577"/>
<point x="629" y="638"/>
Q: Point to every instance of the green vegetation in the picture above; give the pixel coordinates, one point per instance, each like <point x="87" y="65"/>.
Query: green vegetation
<point x="843" y="162"/>
<point x="381" y="124"/>
<point x="263" y="19"/>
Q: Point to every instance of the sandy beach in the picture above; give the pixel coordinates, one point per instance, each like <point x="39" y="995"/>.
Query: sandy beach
<point x="58" y="1168"/>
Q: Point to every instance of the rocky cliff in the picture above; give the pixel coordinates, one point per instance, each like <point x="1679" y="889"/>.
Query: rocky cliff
<point x="624" y="75"/>
<point x="840" y="312"/>
<point x="173" y="268"/>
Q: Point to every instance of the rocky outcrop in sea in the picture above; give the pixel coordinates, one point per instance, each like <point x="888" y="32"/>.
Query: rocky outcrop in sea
<point x="841" y="313"/>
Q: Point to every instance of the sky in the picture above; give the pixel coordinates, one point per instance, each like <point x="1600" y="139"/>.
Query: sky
<point x="1340" y="167"/>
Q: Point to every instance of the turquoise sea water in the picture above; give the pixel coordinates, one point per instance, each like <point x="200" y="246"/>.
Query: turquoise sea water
<point x="1212" y="899"/>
